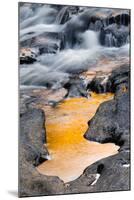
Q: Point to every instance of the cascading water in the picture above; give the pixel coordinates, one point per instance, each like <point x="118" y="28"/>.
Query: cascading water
<point x="69" y="40"/>
<point x="63" y="16"/>
<point x="90" y="39"/>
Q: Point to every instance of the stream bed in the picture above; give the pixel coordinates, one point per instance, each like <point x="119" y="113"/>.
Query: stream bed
<point x="70" y="152"/>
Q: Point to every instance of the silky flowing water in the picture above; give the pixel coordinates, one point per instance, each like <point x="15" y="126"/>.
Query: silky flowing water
<point x="70" y="152"/>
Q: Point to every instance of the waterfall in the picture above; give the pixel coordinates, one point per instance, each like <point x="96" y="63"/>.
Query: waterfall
<point x="110" y="40"/>
<point x="69" y="41"/>
<point x="62" y="16"/>
<point x="90" y="39"/>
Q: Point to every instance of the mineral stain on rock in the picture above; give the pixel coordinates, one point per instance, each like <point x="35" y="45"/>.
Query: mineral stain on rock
<point x="70" y="152"/>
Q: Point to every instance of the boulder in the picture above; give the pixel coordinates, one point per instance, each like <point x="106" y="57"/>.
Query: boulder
<point x="114" y="35"/>
<point x="112" y="118"/>
<point x="33" y="135"/>
<point x="111" y="123"/>
<point x="32" y="183"/>
<point x="32" y="152"/>
<point x="28" y="55"/>
<point x="114" y="173"/>
<point x="98" y="84"/>
<point x="76" y="87"/>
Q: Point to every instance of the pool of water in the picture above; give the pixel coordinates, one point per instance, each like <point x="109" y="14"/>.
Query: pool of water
<point x="70" y="152"/>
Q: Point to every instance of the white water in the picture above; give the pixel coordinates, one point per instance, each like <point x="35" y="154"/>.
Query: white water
<point x="90" y="40"/>
<point x="55" y="69"/>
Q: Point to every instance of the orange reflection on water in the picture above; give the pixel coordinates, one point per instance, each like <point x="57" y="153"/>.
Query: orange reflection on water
<point x="70" y="152"/>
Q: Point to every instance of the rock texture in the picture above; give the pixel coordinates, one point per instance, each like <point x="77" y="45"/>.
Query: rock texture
<point x="32" y="152"/>
<point x="99" y="84"/>
<point x="114" y="173"/>
<point x="28" y="55"/>
<point x="111" y="124"/>
<point x="76" y="87"/>
<point x="111" y="120"/>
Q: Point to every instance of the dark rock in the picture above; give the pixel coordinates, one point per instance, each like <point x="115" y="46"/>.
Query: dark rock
<point x="112" y="118"/>
<point x="109" y="23"/>
<point x="81" y="184"/>
<point x="32" y="183"/>
<point x="123" y="19"/>
<point x="28" y="56"/>
<point x="119" y="78"/>
<point x="98" y="84"/>
<point x="114" y="35"/>
<point x="32" y="152"/>
<point x="76" y="88"/>
<point x="66" y="14"/>
<point x="111" y="123"/>
<point x="114" y="173"/>
<point x="32" y="134"/>
<point x="117" y="81"/>
<point x="48" y="42"/>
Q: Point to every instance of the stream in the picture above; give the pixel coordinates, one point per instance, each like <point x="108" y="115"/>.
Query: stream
<point x="70" y="152"/>
<point x="58" y="43"/>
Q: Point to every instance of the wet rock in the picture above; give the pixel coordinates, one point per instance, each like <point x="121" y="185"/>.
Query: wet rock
<point x="32" y="133"/>
<point x="111" y="123"/>
<point x="32" y="152"/>
<point x="112" y="118"/>
<point x="119" y="78"/>
<point x="76" y="88"/>
<point x="80" y="185"/>
<point x="28" y="55"/>
<point x="114" y="173"/>
<point x="27" y="101"/>
<point x="98" y="84"/>
<point x="66" y="13"/>
<point x="48" y="42"/>
<point x="125" y="142"/>
<point x="109" y="22"/>
<point x="114" y="35"/>
<point x="32" y="183"/>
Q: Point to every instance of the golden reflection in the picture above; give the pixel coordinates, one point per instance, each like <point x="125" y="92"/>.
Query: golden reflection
<point x="70" y="152"/>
